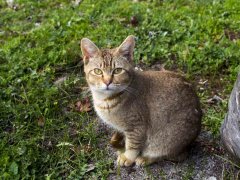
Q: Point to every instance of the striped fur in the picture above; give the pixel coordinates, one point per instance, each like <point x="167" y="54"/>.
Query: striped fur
<point x="157" y="112"/>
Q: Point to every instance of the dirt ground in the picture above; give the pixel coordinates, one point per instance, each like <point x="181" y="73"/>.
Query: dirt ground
<point x="207" y="160"/>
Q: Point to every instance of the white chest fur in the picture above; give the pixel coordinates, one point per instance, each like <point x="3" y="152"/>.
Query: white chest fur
<point x="107" y="110"/>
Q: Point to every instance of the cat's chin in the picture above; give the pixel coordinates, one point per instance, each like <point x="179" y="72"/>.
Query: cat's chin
<point x="102" y="93"/>
<point x="105" y="91"/>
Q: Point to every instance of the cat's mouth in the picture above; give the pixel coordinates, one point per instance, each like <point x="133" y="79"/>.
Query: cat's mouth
<point x="112" y="88"/>
<point x="108" y="88"/>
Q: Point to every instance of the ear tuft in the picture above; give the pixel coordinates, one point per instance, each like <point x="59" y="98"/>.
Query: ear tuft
<point x="127" y="47"/>
<point x="88" y="48"/>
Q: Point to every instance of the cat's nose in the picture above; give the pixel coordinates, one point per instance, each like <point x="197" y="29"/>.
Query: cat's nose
<point x="107" y="81"/>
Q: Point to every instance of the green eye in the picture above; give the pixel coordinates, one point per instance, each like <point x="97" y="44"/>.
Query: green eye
<point x="118" y="71"/>
<point x="98" y="71"/>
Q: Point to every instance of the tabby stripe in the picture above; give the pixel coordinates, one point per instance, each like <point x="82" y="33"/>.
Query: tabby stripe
<point x="114" y="96"/>
<point x="133" y="144"/>
<point x="109" y="107"/>
<point x="114" y="65"/>
<point x="134" y="140"/>
<point x="133" y="148"/>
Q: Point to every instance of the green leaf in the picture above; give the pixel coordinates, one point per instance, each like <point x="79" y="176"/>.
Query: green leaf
<point x="14" y="168"/>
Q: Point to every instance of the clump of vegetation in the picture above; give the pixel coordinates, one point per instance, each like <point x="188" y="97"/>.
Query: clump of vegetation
<point x="46" y="128"/>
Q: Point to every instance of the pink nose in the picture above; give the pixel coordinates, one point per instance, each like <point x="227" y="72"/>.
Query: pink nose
<point x="107" y="81"/>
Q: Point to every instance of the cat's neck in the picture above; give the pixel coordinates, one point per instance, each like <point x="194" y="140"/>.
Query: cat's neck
<point x="105" y="96"/>
<point x="107" y="102"/>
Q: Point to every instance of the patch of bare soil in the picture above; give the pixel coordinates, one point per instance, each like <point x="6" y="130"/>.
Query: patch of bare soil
<point x="207" y="160"/>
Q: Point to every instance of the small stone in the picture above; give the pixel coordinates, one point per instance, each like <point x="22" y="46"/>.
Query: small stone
<point x="211" y="178"/>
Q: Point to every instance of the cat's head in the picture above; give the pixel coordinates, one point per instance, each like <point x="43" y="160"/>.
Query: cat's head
<point x="108" y="71"/>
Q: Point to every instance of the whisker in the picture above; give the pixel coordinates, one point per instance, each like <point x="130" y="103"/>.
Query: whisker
<point x="131" y="91"/>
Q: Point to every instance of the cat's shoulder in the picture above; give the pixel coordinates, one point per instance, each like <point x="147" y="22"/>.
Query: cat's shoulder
<point x="166" y="78"/>
<point x="163" y="74"/>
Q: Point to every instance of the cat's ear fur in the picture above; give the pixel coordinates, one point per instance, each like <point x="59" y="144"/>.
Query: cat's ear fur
<point x="127" y="47"/>
<point x="89" y="49"/>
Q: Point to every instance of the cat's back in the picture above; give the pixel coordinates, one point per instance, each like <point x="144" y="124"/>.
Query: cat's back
<point x="167" y="90"/>
<point x="168" y="78"/>
<point x="174" y="111"/>
<point x="164" y="81"/>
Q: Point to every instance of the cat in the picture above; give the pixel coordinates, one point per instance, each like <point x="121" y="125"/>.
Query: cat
<point x="156" y="112"/>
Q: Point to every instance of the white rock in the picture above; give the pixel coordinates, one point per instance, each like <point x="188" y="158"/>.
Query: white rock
<point x="211" y="178"/>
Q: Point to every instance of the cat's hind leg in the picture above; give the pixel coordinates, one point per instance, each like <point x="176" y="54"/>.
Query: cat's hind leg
<point x="147" y="160"/>
<point x="180" y="157"/>
<point x="117" y="141"/>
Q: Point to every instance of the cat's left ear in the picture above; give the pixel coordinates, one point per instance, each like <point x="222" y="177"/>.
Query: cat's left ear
<point x="127" y="47"/>
<point x="89" y="49"/>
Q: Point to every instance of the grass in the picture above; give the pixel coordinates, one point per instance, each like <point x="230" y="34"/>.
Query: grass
<point x="42" y="134"/>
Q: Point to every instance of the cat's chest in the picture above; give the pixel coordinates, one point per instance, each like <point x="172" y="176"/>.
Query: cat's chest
<point x="110" y="114"/>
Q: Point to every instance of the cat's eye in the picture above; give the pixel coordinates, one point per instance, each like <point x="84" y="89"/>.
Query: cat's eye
<point x="98" y="71"/>
<point x="118" y="71"/>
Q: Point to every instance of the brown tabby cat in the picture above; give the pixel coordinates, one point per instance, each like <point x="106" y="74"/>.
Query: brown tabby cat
<point x="158" y="112"/>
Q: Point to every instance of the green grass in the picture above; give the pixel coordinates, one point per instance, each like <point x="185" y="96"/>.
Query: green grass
<point x="39" y="42"/>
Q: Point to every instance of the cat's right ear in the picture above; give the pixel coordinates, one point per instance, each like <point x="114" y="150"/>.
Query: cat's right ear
<point x="127" y="47"/>
<point x="89" y="49"/>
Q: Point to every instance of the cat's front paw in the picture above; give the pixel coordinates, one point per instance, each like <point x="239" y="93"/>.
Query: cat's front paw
<point x="144" y="161"/>
<point x="141" y="161"/>
<point x="123" y="161"/>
